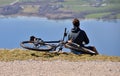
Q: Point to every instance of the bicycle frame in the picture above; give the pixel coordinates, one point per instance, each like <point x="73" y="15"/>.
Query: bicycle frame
<point x="52" y="46"/>
<point x="60" y="44"/>
<point x="37" y="42"/>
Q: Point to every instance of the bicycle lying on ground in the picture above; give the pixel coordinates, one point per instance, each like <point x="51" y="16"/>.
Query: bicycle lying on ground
<point x="38" y="44"/>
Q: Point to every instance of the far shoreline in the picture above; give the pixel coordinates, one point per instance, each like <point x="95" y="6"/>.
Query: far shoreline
<point x="35" y="16"/>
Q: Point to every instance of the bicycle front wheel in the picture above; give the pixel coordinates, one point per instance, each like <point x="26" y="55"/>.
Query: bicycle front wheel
<point x="73" y="46"/>
<point x="76" y="47"/>
<point x="37" y="47"/>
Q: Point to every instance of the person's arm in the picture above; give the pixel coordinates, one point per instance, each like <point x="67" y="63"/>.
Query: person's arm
<point x="69" y="38"/>
<point x="86" y="40"/>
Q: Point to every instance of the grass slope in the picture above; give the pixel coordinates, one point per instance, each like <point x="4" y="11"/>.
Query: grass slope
<point x="19" y="54"/>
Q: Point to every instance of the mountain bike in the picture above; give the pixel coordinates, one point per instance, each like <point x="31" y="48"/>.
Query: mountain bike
<point x="38" y="44"/>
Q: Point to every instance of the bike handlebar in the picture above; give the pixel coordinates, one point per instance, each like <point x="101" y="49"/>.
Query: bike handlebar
<point x="65" y="33"/>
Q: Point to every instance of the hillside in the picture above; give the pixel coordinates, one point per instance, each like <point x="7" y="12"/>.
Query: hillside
<point x="20" y="54"/>
<point x="62" y="9"/>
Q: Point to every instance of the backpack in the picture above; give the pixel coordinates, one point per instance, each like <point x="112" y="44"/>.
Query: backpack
<point x="73" y="36"/>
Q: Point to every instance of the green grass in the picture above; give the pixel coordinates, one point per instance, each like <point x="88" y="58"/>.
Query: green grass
<point x="97" y="12"/>
<point x="79" y="8"/>
<point x="18" y="54"/>
<point x="6" y="2"/>
<point x="30" y="9"/>
<point x="83" y="5"/>
<point x="97" y="15"/>
<point x="26" y="0"/>
<point x="118" y="16"/>
<point x="76" y="6"/>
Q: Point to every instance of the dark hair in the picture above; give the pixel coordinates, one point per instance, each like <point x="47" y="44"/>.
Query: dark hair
<point x="76" y="22"/>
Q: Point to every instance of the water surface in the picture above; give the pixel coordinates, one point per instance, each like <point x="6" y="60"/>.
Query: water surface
<point x="104" y="35"/>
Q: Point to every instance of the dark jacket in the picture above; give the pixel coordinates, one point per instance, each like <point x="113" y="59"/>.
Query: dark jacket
<point x="78" y="36"/>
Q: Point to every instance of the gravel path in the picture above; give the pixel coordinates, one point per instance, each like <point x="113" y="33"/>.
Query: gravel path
<point x="59" y="68"/>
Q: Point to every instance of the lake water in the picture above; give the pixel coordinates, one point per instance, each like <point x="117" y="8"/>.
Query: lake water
<point x="104" y="35"/>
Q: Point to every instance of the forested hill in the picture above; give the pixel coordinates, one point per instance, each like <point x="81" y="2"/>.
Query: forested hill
<point x="62" y="9"/>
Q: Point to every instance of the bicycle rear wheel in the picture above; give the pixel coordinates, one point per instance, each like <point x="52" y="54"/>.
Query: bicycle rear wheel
<point x="76" y="47"/>
<point x="37" y="47"/>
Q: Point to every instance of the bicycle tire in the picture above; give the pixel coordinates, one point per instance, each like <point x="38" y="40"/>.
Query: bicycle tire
<point x="25" y="44"/>
<point x="76" y="47"/>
